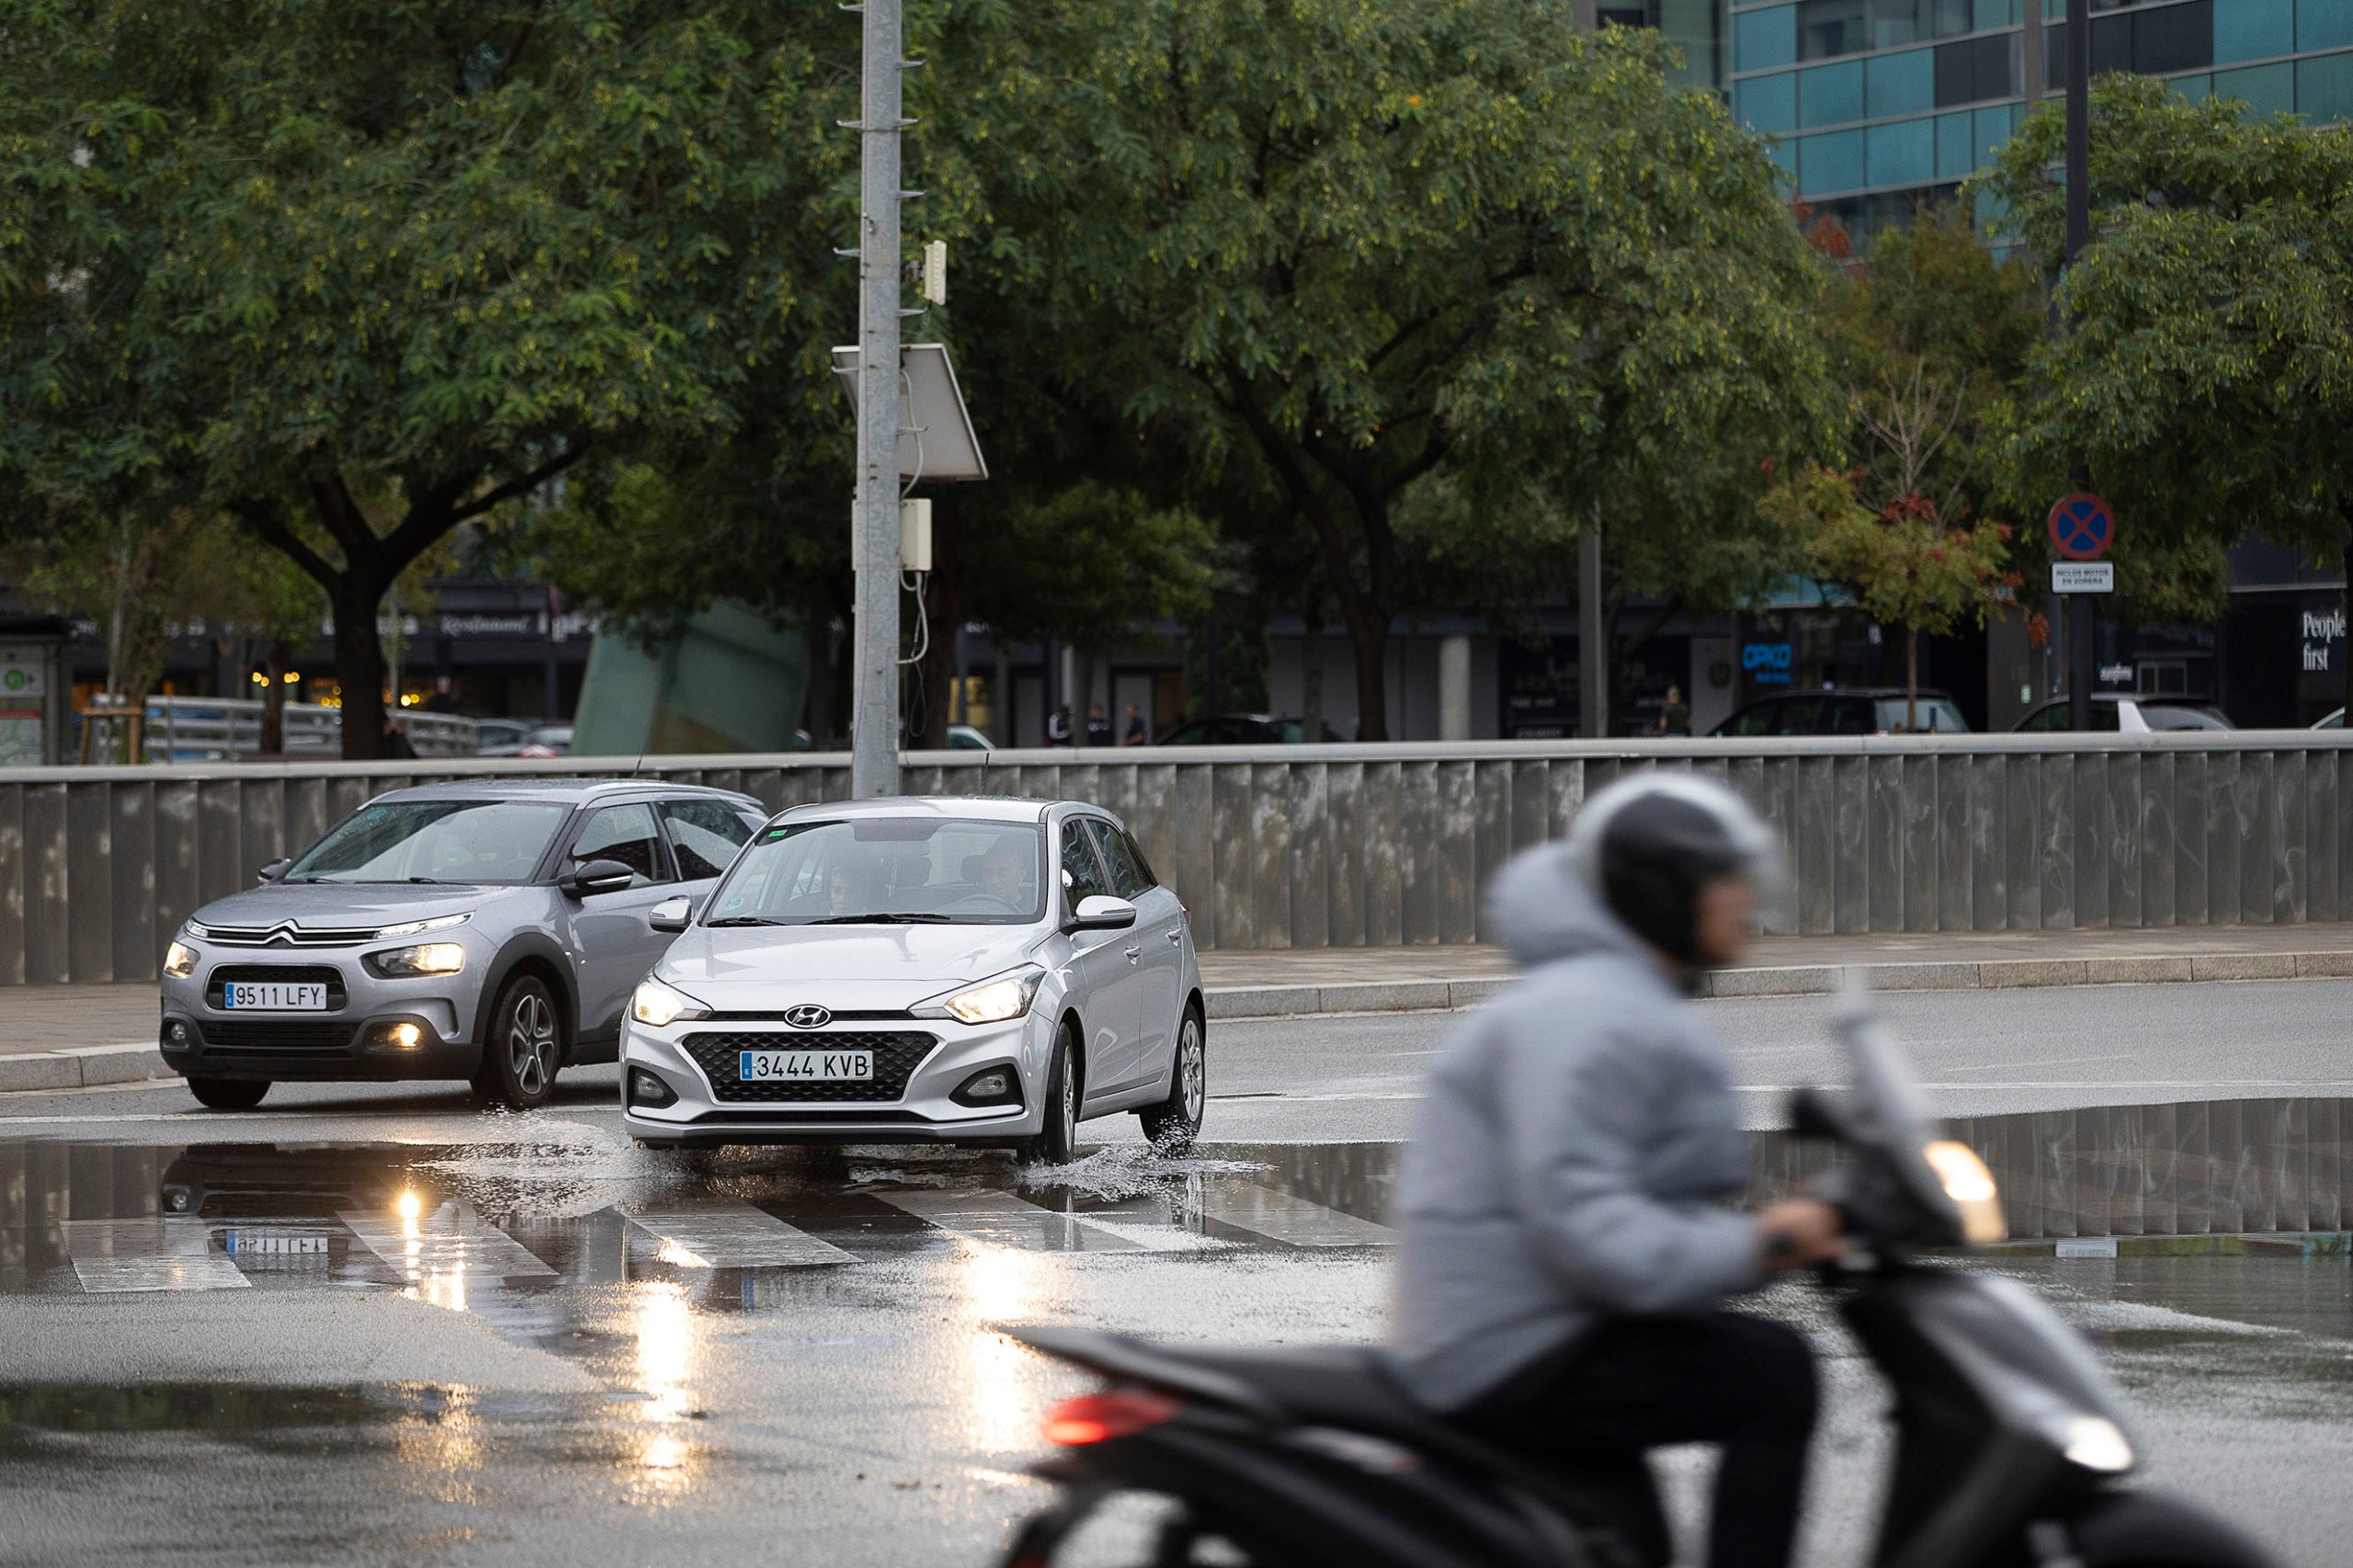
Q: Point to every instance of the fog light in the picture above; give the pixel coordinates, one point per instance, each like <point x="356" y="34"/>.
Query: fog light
<point x="990" y="1086"/>
<point x="176" y="1036"/>
<point x="178" y="1199"/>
<point x="400" y="1035"/>
<point x="648" y="1089"/>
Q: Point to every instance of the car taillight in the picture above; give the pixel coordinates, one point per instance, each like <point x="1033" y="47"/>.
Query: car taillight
<point x="1099" y="1417"/>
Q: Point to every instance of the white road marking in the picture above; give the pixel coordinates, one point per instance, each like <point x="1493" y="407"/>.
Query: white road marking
<point x="999" y="1218"/>
<point x="726" y="1232"/>
<point x="451" y="1243"/>
<point x="111" y="1256"/>
<point x="1286" y="1217"/>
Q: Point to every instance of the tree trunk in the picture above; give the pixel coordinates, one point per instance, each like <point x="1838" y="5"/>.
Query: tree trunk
<point x="1311" y="672"/>
<point x="1368" y="635"/>
<point x="359" y="667"/>
<point x="1911" y="680"/>
<point x="275" y="657"/>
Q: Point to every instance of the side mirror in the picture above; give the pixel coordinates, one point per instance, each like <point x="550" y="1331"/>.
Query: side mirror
<point x="1097" y="913"/>
<point x="671" y="914"/>
<point x="594" y="877"/>
<point x="272" y="871"/>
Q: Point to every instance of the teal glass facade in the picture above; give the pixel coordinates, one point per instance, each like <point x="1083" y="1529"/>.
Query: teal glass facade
<point x="1882" y="104"/>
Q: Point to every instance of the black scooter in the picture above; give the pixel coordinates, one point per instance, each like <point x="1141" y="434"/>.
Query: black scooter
<point x="2012" y="1445"/>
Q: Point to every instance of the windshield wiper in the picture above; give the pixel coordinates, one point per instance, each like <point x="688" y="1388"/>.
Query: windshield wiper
<point x="882" y="918"/>
<point x="747" y="920"/>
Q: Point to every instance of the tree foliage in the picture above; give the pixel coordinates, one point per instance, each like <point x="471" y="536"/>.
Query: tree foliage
<point x="2205" y="376"/>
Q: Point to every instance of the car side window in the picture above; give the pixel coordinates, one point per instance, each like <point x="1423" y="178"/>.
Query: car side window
<point x="1135" y="853"/>
<point x="1755" y="720"/>
<point x="626" y="833"/>
<point x="2049" y="717"/>
<point x="705" y="835"/>
<point x="1081" y="876"/>
<point x="1128" y="879"/>
<point x="1851" y="716"/>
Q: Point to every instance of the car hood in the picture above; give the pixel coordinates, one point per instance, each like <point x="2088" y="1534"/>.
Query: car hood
<point x="319" y="905"/>
<point x="846" y="968"/>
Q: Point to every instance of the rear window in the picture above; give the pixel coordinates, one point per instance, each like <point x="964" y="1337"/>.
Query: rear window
<point x="1938" y="717"/>
<point x="2184" y="716"/>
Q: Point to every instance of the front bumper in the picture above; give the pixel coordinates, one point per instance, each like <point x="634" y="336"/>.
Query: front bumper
<point x="354" y="1040"/>
<point x="707" y="1109"/>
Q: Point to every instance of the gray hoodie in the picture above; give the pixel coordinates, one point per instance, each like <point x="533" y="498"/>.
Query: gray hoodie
<point x="1568" y="1163"/>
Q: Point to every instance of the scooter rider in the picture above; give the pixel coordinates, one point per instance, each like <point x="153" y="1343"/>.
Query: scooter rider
<point x="1564" y="1251"/>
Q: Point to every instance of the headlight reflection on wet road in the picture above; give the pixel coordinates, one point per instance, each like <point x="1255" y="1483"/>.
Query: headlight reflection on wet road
<point x="666" y="1336"/>
<point x="998" y="1285"/>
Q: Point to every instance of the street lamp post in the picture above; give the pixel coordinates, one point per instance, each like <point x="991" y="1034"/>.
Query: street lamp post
<point x="874" y="721"/>
<point x="2080" y="657"/>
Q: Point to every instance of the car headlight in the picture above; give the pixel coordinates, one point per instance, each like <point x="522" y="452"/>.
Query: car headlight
<point x="992" y="1001"/>
<point x="657" y="1004"/>
<point x="2094" y="1442"/>
<point x="426" y="958"/>
<point x="179" y="961"/>
<point x="439" y="922"/>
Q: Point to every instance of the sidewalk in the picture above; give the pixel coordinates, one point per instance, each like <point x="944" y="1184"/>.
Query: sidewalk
<point x="63" y="1037"/>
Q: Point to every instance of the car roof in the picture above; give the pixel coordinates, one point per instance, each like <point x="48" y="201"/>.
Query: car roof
<point x="565" y="790"/>
<point x="984" y="808"/>
<point x="1849" y="691"/>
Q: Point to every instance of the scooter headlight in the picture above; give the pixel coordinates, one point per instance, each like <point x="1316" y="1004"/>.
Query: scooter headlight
<point x="2094" y="1442"/>
<point x="1970" y="1186"/>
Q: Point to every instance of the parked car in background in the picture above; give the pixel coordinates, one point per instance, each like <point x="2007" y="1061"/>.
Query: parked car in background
<point x="964" y="738"/>
<point x="504" y="737"/>
<point x="1844" y="710"/>
<point x="2334" y="722"/>
<point x="1243" y="729"/>
<point x="947" y="969"/>
<point x="2130" y="714"/>
<point x="548" y="739"/>
<point x="491" y="931"/>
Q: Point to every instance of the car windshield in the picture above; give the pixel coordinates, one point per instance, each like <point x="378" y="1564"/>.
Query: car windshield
<point x="1938" y="717"/>
<point x="886" y="870"/>
<point x="435" y="841"/>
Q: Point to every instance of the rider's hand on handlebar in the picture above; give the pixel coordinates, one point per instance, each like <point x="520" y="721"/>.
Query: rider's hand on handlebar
<point x="1799" y="1233"/>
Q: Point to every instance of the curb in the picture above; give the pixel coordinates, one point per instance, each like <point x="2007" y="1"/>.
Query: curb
<point x="82" y="1067"/>
<point x="1805" y="980"/>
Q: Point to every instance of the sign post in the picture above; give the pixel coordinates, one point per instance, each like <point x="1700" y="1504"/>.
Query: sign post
<point x="2082" y="526"/>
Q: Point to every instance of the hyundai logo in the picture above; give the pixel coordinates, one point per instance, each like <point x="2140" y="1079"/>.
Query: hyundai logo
<point x="807" y="1016"/>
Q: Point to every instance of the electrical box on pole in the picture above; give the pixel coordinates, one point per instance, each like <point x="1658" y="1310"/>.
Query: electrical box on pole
<point x="935" y="272"/>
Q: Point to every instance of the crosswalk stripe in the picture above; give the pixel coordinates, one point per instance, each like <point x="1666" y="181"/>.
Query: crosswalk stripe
<point x="726" y="1232"/>
<point x="1285" y="1217"/>
<point x="999" y="1218"/>
<point x="111" y="1256"/>
<point x="452" y="1241"/>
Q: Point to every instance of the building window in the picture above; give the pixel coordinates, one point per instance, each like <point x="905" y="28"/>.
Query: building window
<point x="2324" y="88"/>
<point x="1830" y="162"/>
<point x="1900" y="83"/>
<point x="1956" y="152"/>
<point x="1901" y="154"/>
<point x="1976" y="68"/>
<point x="1768" y="103"/>
<point x="2254" y="29"/>
<point x="1831" y="95"/>
<point x="1993" y="128"/>
<point x="2264" y="89"/>
<point x="2323" y="24"/>
<point x="1827" y="28"/>
<point x="1765" y="39"/>
<point x="2155" y="41"/>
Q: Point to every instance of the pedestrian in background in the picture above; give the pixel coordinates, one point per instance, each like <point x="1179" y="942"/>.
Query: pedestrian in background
<point x="1675" y="719"/>
<point x="1099" y="726"/>
<point x="1058" y="727"/>
<point x="1136" y="734"/>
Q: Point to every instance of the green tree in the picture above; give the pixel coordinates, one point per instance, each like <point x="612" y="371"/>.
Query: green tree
<point x="1352" y="246"/>
<point x="2205" y="374"/>
<point x="359" y="274"/>
<point x="1907" y="565"/>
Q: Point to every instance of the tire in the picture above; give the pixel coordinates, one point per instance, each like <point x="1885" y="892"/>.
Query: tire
<point x="1055" y="1142"/>
<point x="1174" y="1122"/>
<point x="229" y="1094"/>
<point x="522" y="1047"/>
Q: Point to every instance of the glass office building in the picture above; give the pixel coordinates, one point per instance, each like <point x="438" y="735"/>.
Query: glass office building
<point x="1880" y="104"/>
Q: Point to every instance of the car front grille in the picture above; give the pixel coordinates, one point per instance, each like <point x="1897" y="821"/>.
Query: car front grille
<point x="896" y="1056"/>
<point x="284" y="1041"/>
<point x="282" y="974"/>
<point x="288" y="936"/>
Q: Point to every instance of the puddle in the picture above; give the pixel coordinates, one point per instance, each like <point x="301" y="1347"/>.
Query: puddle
<point x="1127" y="1169"/>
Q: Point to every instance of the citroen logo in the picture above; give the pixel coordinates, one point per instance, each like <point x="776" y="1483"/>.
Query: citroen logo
<point x="807" y="1016"/>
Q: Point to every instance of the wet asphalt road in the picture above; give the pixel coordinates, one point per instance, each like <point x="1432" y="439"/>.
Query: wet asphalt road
<point x="393" y="1329"/>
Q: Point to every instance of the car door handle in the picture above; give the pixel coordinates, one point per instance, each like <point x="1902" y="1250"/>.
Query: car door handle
<point x="1176" y="938"/>
<point x="1134" y="953"/>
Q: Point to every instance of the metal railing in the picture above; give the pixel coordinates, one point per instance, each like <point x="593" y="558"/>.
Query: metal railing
<point x="222" y="729"/>
<point x="1356" y="846"/>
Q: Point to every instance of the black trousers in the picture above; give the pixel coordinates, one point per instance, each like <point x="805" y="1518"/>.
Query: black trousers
<point x="1637" y="1383"/>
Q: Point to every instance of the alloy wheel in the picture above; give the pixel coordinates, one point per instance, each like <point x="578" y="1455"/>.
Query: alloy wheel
<point x="530" y="1042"/>
<point x="1190" y="1065"/>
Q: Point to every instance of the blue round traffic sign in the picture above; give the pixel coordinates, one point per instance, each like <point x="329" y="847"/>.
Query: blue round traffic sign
<point x="2082" y="526"/>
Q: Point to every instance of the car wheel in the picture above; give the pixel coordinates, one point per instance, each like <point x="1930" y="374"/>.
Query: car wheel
<point x="521" y="1048"/>
<point x="229" y="1094"/>
<point x="1056" y="1141"/>
<point x="1174" y="1122"/>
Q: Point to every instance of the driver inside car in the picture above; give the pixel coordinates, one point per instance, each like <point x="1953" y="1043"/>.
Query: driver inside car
<point x="1565" y="1250"/>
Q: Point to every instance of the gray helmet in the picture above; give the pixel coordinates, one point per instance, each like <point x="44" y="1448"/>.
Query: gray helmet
<point x="1648" y="844"/>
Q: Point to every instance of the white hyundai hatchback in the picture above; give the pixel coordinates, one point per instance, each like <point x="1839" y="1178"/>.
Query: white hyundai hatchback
<point x="941" y="969"/>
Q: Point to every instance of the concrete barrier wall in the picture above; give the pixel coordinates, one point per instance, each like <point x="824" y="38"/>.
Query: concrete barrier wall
<point x="1356" y="846"/>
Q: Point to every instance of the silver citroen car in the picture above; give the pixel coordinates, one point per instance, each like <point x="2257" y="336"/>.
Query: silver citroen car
<point x="491" y="930"/>
<point x="922" y="970"/>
